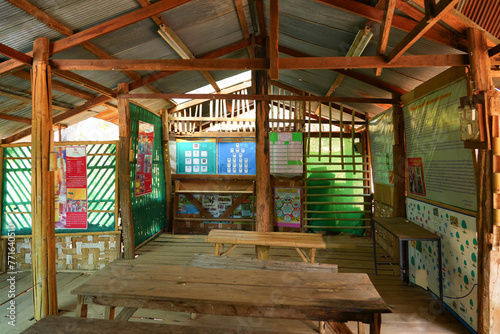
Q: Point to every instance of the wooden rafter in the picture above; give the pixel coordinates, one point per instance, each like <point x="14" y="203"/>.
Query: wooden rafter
<point x="14" y="54"/>
<point x="61" y="28"/>
<point x="385" y="28"/>
<point x="274" y="19"/>
<point x="15" y="118"/>
<point x="261" y="18"/>
<point x="432" y="16"/>
<point x="27" y="98"/>
<point x="375" y="14"/>
<point x="257" y="64"/>
<point x="241" y="17"/>
<point x="350" y="73"/>
<point x="494" y="51"/>
<point x="101" y="99"/>
<point x="100" y="30"/>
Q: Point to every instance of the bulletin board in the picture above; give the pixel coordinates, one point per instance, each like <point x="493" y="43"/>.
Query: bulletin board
<point x="196" y="156"/>
<point x="236" y="156"/>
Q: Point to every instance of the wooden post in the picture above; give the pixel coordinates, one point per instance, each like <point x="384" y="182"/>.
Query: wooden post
<point x="3" y="244"/>
<point x="263" y="178"/>
<point x="487" y="191"/>
<point x="42" y="185"/>
<point x="168" y="171"/>
<point x="399" y="160"/>
<point x="124" y="173"/>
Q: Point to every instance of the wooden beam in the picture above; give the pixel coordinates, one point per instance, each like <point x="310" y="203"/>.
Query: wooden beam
<point x="98" y="100"/>
<point x="124" y="173"/>
<point x="27" y="98"/>
<point x="241" y="17"/>
<point x="385" y="28"/>
<point x="398" y="22"/>
<point x="82" y="81"/>
<point x="485" y="218"/>
<point x="15" y="118"/>
<point x="101" y="29"/>
<point x="263" y="178"/>
<point x="16" y="55"/>
<point x="261" y="18"/>
<point x="263" y="98"/>
<point x="494" y="51"/>
<point x="42" y="187"/>
<point x="350" y="73"/>
<point x="258" y="64"/>
<point x="167" y="170"/>
<point x="433" y="15"/>
<point x="274" y="18"/>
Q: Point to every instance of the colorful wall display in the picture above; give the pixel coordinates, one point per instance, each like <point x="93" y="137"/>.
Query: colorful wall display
<point x="144" y="172"/>
<point x="71" y="188"/>
<point x="434" y="149"/>
<point x="286" y="153"/>
<point x="459" y="257"/>
<point x="216" y="205"/>
<point x="381" y="132"/>
<point x="196" y="156"/>
<point x="236" y="156"/>
<point x="287" y="207"/>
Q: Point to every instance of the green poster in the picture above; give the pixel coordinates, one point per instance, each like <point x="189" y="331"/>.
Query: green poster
<point x="197" y="156"/>
<point x="439" y="167"/>
<point x="381" y="132"/>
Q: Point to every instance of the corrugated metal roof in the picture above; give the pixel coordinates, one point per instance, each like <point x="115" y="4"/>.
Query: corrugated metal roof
<point x="485" y="14"/>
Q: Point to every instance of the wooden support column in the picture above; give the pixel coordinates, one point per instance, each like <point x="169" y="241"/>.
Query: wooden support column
<point x="124" y="173"/>
<point x="3" y="242"/>
<point x="42" y="186"/>
<point x="263" y="178"/>
<point x="488" y="190"/>
<point x="168" y="171"/>
<point x="399" y="160"/>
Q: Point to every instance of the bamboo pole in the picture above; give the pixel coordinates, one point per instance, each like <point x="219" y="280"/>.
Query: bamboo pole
<point x="3" y="247"/>
<point x="341" y="128"/>
<point x="42" y="190"/>
<point x="124" y="173"/>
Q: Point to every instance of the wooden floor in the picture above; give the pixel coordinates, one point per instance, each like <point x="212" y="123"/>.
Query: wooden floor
<point x="414" y="310"/>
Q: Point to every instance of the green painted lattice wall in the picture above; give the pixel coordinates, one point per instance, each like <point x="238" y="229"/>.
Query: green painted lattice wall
<point x="149" y="211"/>
<point x="101" y="175"/>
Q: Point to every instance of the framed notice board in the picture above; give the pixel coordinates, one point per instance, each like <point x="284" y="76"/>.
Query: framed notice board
<point x="236" y="156"/>
<point x="196" y="156"/>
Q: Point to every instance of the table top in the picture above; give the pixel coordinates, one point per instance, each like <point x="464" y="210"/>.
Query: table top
<point x="404" y="229"/>
<point x="283" y="239"/>
<point x="260" y="293"/>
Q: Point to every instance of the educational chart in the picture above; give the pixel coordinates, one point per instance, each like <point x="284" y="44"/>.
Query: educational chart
<point x="459" y="256"/>
<point x="196" y="156"/>
<point x="236" y="156"/>
<point x="439" y="167"/>
<point x="144" y="171"/>
<point x="287" y="207"/>
<point x="286" y="152"/>
<point x="216" y="205"/>
<point x="381" y="131"/>
<point x="71" y="188"/>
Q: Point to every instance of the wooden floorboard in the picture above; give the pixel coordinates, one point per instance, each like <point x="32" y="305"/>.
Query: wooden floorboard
<point x="413" y="308"/>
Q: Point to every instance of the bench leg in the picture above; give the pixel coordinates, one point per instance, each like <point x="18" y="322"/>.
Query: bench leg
<point x="126" y="313"/>
<point x="339" y="327"/>
<point x="217" y="249"/>
<point x="303" y="255"/>
<point x="109" y="312"/>
<point x="376" y="323"/>
<point x="81" y="307"/>
<point x="312" y="254"/>
<point x="361" y="328"/>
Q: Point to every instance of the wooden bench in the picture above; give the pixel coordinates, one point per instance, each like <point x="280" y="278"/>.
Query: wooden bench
<point x="224" y="262"/>
<point x="67" y="325"/>
<point x="275" y="239"/>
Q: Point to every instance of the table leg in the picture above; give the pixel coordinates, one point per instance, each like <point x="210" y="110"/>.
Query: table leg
<point x="81" y="307"/>
<point x="440" y="263"/>
<point x="217" y="249"/>
<point x="401" y="260"/>
<point x="376" y="324"/>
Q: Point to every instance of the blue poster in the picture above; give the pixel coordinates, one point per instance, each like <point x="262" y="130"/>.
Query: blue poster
<point x="236" y="156"/>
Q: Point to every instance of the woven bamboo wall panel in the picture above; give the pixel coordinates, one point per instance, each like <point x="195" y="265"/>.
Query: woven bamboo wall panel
<point x="82" y="252"/>
<point x="382" y="210"/>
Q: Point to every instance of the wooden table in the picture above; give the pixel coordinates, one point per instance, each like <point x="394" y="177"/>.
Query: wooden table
<point x="332" y="297"/>
<point x="404" y="230"/>
<point x="298" y="241"/>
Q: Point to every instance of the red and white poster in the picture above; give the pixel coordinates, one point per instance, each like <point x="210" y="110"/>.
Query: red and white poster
<point x="416" y="176"/>
<point x="144" y="170"/>
<point x="71" y="188"/>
